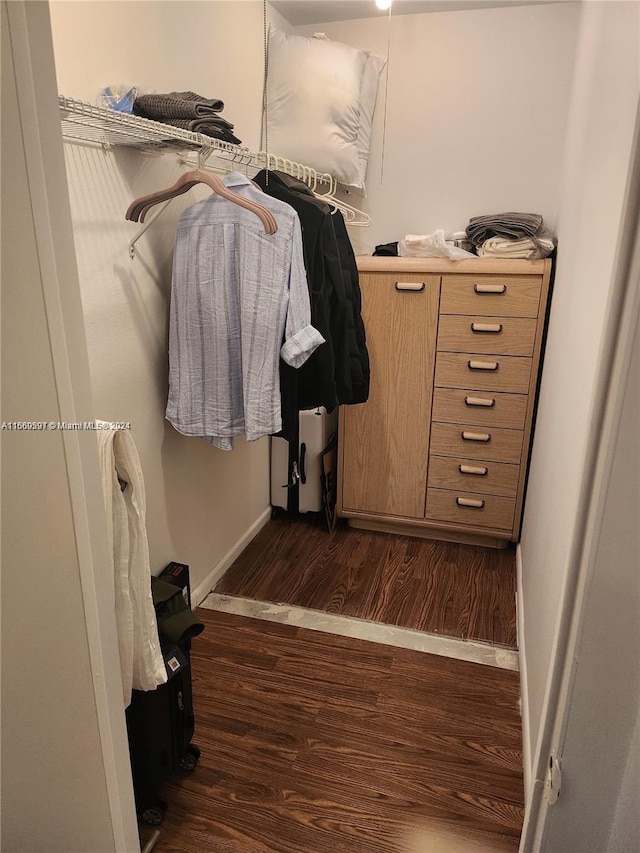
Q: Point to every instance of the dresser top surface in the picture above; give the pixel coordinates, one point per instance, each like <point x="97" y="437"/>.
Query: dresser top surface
<point x="489" y="266"/>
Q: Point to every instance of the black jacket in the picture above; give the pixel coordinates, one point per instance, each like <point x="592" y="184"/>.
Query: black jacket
<point x="322" y="380"/>
<point x="360" y="369"/>
<point x="332" y="269"/>
<point x="356" y="343"/>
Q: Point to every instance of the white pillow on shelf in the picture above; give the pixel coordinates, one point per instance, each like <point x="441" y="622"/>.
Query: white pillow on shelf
<point x="321" y="96"/>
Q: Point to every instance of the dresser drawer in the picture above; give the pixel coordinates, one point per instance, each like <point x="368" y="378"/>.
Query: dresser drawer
<point x="470" y="509"/>
<point x="506" y="335"/>
<point x="493" y="296"/>
<point x="483" y="372"/>
<point x="462" y="406"/>
<point x="470" y="475"/>
<point x="473" y="442"/>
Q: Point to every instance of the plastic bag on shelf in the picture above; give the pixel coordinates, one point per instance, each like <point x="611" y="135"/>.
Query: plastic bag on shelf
<point x="118" y="98"/>
<point x="440" y="244"/>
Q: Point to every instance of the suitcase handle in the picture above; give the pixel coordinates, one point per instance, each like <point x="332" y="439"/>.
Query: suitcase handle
<point x="295" y="476"/>
<point x="303" y="454"/>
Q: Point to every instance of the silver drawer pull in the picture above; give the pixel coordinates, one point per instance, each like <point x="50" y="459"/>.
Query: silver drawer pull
<point x="493" y="328"/>
<point x="474" y="364"/>
<point x="490" y="288"/>
<point x="480" y="401"/>
<point x="415" y="286"/>
<point x="470" y="502"/>
<point x="475" y="436"/>
<point x="478" y="470"/>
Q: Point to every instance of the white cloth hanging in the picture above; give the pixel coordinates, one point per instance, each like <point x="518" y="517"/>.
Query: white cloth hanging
<point x="141" y="661"/>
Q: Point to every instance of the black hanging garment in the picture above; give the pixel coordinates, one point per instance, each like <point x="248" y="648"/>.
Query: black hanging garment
<point x="338" y="372"/>
<point x="360" y="369"/>
<point x="337" y="272"/>
<point x="313" y="384"/>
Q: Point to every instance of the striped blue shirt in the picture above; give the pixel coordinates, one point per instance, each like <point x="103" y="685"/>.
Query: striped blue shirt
<point x="239" y="301"/>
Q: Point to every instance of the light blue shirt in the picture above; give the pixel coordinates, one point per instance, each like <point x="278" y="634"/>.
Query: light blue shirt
<point x="239" y="301"/>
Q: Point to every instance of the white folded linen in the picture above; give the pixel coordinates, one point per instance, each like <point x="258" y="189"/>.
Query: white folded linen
<point x="525" y="247"/>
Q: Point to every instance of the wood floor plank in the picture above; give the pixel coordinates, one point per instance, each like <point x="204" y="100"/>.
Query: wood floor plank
<point x="345" y="580"/>
<point x="477" y="746"/>
<point x="382" y="589"/>
<point x="402" y="606"/>
<point x="340" y="789"/>
<point x="307" y="685"/>
<point x="404" y="771"/>
<point x="507" y="730"/>
<point x="246" y="657"/>
<point x="460" y="591"/>
<point x="265" y="819"/>
<point x="343" y="746"/>
<point x="268" y="818"/>
<point x="249" y="566"/>
<point x="331" y="673"/>
<point x="325" y="570"/>
<point x="492" y="615"/>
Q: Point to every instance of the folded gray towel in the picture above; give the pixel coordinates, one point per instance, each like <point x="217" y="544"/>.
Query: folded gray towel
<point x="216" y="128"/>
<point x="214" y="121"/>
<point x="515" y="225"/>
<point x="204" y="106"/>
<point x="177" y="105"/>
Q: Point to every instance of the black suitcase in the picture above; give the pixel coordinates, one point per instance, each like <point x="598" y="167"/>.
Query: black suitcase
<point x="160" y="727"/>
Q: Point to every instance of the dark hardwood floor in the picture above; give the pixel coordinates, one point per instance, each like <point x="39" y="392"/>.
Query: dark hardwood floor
<point x="460" y="591"/>
<point x="313" y="743"/>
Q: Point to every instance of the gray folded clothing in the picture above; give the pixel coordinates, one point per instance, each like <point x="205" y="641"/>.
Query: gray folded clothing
<point x="194" y="123"/>
<point x="216" y="128"/>
<point x="205" y="106"/>
<point x="514" y="225"/>
<point x="176" y="105"/>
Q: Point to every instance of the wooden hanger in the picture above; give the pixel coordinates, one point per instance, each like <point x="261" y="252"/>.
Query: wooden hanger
<point x="139" y="208"/>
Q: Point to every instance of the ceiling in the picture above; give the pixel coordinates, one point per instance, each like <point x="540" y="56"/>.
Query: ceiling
<point x="301" y="12"/>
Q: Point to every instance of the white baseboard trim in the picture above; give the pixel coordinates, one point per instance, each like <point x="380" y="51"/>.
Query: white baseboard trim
<point x="203" y="589"/>
<point x="524" y="690"/>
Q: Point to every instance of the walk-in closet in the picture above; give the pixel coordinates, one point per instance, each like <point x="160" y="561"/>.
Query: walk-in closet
<point x="319" y="431"/>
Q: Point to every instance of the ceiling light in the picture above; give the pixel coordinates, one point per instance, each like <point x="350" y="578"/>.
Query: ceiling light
<point x="384" y="4"/>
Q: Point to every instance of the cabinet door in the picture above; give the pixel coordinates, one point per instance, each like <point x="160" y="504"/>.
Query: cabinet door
<point x="385" y="441"/>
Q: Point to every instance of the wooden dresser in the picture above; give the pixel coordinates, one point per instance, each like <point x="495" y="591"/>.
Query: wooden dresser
<point x="441" y="448"/>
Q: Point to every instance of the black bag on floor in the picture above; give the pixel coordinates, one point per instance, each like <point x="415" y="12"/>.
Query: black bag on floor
<point x="161" y="722"/>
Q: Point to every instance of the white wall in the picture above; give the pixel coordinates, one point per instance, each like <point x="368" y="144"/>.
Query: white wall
<point x="625" y="830"/>
<point x="476" y="115"/>
<point x="201" y="501"/>
<point x="599" y="758"/>
<point x="214" y="48"/>
<point x="66" y="779"/>
<point x="597" y="152"/>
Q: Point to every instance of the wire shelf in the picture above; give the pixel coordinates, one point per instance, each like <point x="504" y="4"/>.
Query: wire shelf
<point x="87" y="124"/>
<point x="82" y="122"/>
